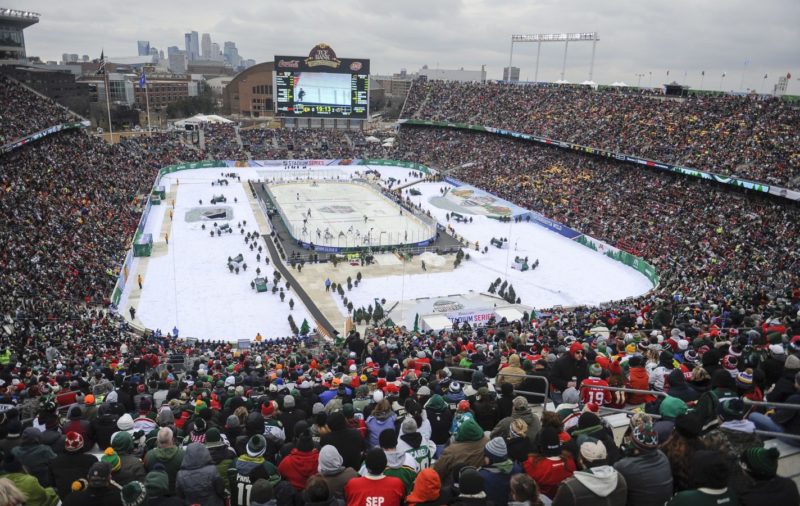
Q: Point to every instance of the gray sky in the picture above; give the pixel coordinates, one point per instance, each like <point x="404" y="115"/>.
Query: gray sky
<point x="636" y="36"/>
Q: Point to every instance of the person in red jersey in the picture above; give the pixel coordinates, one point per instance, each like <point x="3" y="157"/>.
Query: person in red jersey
<point x="375" y="488"/>
<point x="589" y="394"/>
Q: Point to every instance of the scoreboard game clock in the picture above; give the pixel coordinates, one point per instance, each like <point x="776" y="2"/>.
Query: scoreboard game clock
<point x="321" y="85"/>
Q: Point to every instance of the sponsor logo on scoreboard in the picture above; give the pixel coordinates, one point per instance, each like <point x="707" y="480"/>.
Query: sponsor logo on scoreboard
<point x="289" y="64"/>
<point x="355" y="66"/>
<point x="322" y="55"/>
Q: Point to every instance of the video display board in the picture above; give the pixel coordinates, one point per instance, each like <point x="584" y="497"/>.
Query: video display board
<point x="321" y="85"/>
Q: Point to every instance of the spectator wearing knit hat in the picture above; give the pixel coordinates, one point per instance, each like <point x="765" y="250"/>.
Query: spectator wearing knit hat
<point x="302" y="462"/>
<point x="414" y="443"/>
<point x="34" y="455"/>
<point x="598" y="396"/>
<point x="222" y="455"/>
<point x="521" y="410"/>
<point x="290" y="414"/>
<point x="72" y="465"/>
<point x="710" y="474"/>
<point x="100" y="489"/>
<point x="471" y="488"/>
<point x="783" y="420"/>
<point x="198" y="480"/>
<point x="680" y="447"/>
<point x="131" y="466"/>
<point x="677" y="387"/>
<point x="568" y="366"/>
<point x="398" y="463"/>
<point x="375" y="487"/>
<point x="734" y="434"/>
<point x="497" y="471"/>
<point x="331" y="467"/>
<point x="764" y="486"/>
<point x="595" y="483"/>
<point x="251" y="467"/>
<point x="645" y="468"/>
<point x="466" y="449"/>
<point x="549" y="464"/>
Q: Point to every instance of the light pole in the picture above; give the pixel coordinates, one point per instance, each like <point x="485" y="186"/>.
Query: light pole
<point x="639" y="82"/>
<point x="650" y="85"/>
<point x="721" y="79"/>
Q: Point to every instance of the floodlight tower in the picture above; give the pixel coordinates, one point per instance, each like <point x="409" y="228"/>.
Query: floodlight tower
<point x="566" y="38"/>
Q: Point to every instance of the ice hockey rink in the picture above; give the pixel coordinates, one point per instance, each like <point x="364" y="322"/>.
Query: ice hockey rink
<point x="346" y="214"/>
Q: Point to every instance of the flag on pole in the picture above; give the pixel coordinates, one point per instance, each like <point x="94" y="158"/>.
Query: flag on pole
<point x="142" y="80"/>
<point x="765" y="76"/>
<point x="102" y="69"/>
<point x="702" y="72"/>
<point x="667" y="72"/>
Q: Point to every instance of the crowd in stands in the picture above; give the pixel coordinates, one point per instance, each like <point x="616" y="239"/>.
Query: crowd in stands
<point x="25" y="112"/>
<point x="284" y="143"/>
<point x="749" y="137"/>
<point x="221" y="142"/>
<point x="93" y="412"/>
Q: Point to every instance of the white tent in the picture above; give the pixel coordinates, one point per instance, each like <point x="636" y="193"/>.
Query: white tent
<point x="590" y="83"/>
<point x="436" y="322"/>
<point x="620" y="84"/>
<point x="562" y="81"/>
<point x="509" y="313"/>
<point x="372" y="138"/>
<point x="198" y="119"/>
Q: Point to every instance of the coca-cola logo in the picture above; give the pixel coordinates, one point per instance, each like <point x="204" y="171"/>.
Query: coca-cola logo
<point x="355" y="66"/>
<point x="292" y="64"/>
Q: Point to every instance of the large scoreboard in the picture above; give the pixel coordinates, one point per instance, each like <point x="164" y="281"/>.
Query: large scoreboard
<point x="321" y="85"/>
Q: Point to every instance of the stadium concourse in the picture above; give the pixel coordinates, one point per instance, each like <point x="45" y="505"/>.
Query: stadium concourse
<point x="424" y="418"/>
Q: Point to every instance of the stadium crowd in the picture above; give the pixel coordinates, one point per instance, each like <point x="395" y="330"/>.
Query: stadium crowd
<point x="749" y="137"/>
<point x="94" y="412"/>
<point x="25" y="112"/>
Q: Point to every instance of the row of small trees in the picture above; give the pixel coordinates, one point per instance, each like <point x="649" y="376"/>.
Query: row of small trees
<point x="504" y="290"/>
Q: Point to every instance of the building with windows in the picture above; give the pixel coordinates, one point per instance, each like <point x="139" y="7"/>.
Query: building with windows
<point x="143" y="47"/>
<point x="205" y="46"/>
<point x="250" y="93"/>
<point x="12" y="40"/>
<point x="192" y="45"/>
<point x="512" y="76"/>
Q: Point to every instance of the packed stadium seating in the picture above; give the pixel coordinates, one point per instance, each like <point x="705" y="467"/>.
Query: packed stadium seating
<point x="435" y="418"/>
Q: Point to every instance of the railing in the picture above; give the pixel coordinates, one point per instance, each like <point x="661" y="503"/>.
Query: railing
<point x="632" y="390"/>
<point x="523" y="392"/>
<point x="781" y="405"/>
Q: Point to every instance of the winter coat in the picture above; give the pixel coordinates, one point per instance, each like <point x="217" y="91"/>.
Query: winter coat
<point x="35" y="458"/>
<point x="104" y="426"/>
<point x="440" y="417"/>
<point x="157" y="485"/>
<point x="528" y="416"/>
<point x="599" y="486"/>
<point x="67" y="468"/>
<point x="428" y="490"/>
<point x="95" y="496"/>
<point x="565" y="368"/>
<point x="377" y="424"/>
<point x="131" y="469"/>
<point x="336" y="482"/>
<point x="348" y="442"/>
<point x="198" y="480"/>
<point x="648" y="476"/>
<point x="35" y="493"/>
<point x="549" y="472"/>
<point x="784" y="387"/>
<point x="497" y="480"/>
<point x="290" y="417"/>
<point x="466" y="450"/>
<point x="776" y="491"/>
<point x="421" y="450"/>
<point x="222" y="456"/>
<point x="639" y="379"/>
<point x="513" y="368"/>
<point x="298" y="467"/>
<point x="170" y="458"/>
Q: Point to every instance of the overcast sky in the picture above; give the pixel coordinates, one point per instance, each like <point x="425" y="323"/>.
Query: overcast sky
<point x="645" y="37"/>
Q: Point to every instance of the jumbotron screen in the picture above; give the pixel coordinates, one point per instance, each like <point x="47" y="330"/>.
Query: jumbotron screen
<point x="321" y="85"/>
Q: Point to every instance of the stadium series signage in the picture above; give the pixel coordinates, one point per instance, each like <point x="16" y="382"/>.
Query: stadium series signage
<point x="321" y="85"/>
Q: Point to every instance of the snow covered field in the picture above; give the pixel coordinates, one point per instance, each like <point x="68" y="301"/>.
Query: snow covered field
<point x="188" y="285"/>
<point x="568" y="274"/>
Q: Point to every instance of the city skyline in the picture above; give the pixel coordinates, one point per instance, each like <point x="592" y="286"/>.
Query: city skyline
<point x="728" y="46"/>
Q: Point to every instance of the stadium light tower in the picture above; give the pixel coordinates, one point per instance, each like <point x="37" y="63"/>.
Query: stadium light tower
<point x="566" y="38"/>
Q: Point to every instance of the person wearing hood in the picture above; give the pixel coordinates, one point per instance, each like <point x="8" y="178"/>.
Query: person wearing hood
<point x="512" y="374"/>
<point x="440" y="418"/>
<point x="677" y="387"/>
<point x="784" y="386"/>
<point x="348" y="442"/>
<point x="290" y="414"/>
<point x="251" y="467"/>
<point x="723" y="386"/>
<point x="374" y="487"/>
<point x="595" y="484"/>
<point x="591" y="425"/>
<point x="34" y="456"/>
<point x="412" y="442"/>
<point x="131" y="467"/>
<point x="520" y="410"/>
<point x="497" y="471"/>
<point x="466" y="449"/>
<point x="568" y="366"/>
<point x="104" y="425"/>
<point x="27" y="484"/>
<point x="301" y="463"/>
<point x="428" y="490"/>
<point x="198" y="480"/>
<point x="398" y="464"/>
<point x="711" y="475"/>
<point x="638" y="379"/>
<point x="156" y="485"/>
<point x="331" y="467"/>
<point x="72" y="465"/>
<point x="381" y="418"/>
<point x="662" y="370"/>
<point x="764" y="485"/>
<point x="166" y="454"/>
